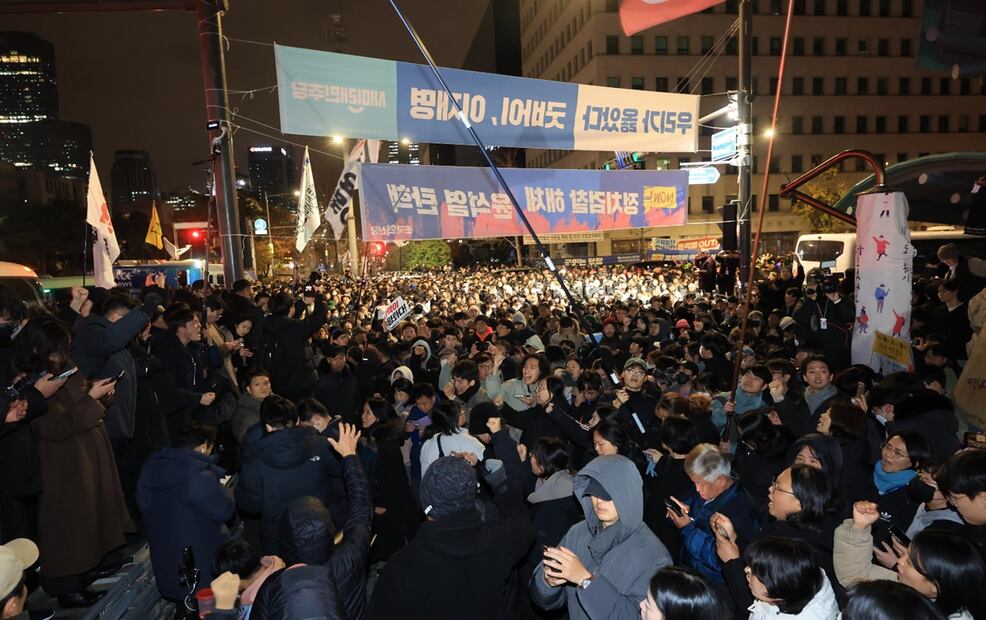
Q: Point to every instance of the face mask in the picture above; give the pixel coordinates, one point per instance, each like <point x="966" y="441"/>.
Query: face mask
<point x="919" y="491"/>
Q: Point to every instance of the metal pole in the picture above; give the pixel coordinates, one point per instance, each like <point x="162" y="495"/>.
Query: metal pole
<point x="270" y="237"/>
<point x="745" y="138"/>
<point x="85" y="250"/>
<point x="351" y="220"/>
<point x="220" y="139"/>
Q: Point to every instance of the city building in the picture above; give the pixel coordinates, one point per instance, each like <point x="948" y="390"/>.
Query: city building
<point x="274" y="173"/>
<point x="402" y="152"/>
<point x="132" y="181"/>
<point x="31" y="132"/>
<point x="851" y="81"/>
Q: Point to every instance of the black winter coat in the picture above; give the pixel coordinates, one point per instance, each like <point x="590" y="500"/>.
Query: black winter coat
<point x="337" y="392"/>
<point x="297" y="593"/>
<point x="183" y="504"/>
<point x="281" y="466"/>
<point x="456" y="567"/>
<point x="391" y="491"/>
<point x="295" y="377"/>
<point x="305" y="535"/>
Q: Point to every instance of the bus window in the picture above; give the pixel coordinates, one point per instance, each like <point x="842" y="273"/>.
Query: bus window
<point x="820" y="250"/>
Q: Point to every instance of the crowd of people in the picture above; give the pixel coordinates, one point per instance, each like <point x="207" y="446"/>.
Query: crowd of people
<point x="667" y="451"/>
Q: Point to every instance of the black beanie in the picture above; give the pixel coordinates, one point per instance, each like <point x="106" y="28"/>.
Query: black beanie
<point x="449" y="485"/>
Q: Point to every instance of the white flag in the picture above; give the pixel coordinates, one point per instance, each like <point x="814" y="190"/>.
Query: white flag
<point x="338" y="209"/>
<point x="173" y="251"/>
<point x="308" y="217"/>
<point x="105" y="249"/>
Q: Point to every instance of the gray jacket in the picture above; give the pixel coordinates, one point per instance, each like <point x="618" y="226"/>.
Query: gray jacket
<point x="622" y="558"/>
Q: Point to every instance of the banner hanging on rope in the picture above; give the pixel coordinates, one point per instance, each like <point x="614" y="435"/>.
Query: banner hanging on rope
<point x="329" y="94"/>
<point x="453" y="202"/>
<point x="884" y="259"/>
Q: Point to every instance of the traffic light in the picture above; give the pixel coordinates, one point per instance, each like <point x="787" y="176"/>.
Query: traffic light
<point x="626" y="159"/>
<point x="193" y="236"/>
<point x="377" y="249"/>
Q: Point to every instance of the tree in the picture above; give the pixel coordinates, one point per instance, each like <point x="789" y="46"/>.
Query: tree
<point x="419" y="255"/>
<point x="828" y="188"/>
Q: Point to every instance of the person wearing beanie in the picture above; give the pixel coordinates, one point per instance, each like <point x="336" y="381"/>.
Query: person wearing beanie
<point x="603" y="565"/>
<point x="457" y="563"/>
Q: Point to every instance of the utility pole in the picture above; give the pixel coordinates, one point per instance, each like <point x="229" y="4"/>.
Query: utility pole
<point x="220" y="136"/>
<point x="744" y="138"/>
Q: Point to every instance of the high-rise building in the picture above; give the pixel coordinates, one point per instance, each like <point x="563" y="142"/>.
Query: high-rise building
<point x="132" y="181"/>
<point x="28" y="90"/>
<point x="403" y="152"/>
<point x="273" y="173"/>
<point x="851" y="81"/>
<point x="31" y="133"/>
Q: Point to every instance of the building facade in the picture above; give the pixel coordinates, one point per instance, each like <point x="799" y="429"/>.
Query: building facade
<point x="132" y="181"/>
<point x="274" y="173"/>
<point x="851" y="81"/>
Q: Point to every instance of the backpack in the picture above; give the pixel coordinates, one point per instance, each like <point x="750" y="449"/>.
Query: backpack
<point x="273" y="360"/>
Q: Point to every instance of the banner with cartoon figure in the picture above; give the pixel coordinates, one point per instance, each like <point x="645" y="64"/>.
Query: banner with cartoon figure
<point x="455" y="202"/>
<point x="884" y="259"/>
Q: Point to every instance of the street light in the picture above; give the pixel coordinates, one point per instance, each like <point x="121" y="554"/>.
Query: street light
<point x="405" y="141"/>
<point x="336" y="139"/>
<point x="769" y="133"/>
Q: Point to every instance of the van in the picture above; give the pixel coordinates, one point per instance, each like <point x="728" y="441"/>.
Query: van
<point x="22" y="282"/>
<point x="837" y="251"/>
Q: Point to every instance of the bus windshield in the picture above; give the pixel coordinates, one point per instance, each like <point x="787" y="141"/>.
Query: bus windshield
<point x="820" y="250"/>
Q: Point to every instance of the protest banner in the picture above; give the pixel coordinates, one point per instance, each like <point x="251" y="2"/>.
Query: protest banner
<point x="396" y="311"/>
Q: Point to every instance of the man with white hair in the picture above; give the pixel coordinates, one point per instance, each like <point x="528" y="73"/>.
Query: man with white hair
<point x="716" y="491"/>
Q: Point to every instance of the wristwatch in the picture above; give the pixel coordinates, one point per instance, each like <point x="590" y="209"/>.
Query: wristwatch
<point x="585" y="582"/>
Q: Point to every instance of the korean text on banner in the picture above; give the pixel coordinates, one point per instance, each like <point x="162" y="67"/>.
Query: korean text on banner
<point x="337" y="210"/>
<point x="441" y="202"/>
<point x="396" y="311"/>
<point x="884" y="259"/>
<point x="308" y="217"/>
<point x="105" y="249"/>
<point x="325" y="94"/>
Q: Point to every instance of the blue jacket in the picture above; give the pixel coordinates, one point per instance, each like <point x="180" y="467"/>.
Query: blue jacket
<point x="183" y="504"/>
<point x="283" y="465"/>
<point x="699" y="544"/>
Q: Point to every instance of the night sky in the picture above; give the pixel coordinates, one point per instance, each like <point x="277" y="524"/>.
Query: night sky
<point x="136" y="78"/>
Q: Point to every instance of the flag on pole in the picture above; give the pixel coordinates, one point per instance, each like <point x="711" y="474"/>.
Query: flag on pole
<point x="338" y="209"/>
<point x="105" y="249"/>
<point x="637" y="15"/>
<point x="308" y="217"/>
<point x="173" y="251"/>
<point x="154" y="233"/>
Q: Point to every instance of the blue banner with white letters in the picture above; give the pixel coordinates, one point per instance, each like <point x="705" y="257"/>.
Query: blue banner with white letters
<point x="329" y="94"/>
<point x="457" y="202"/>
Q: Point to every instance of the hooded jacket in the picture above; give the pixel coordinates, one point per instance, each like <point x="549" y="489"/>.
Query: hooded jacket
<point x="622" y="557"/>
<point x="456" y="567"/>
<point x="822" y="606"/>
<point x="183" y="503"/>
<point x="298" y="377"/>
<point x="289" y="463"/>
<point x="307" y="533"/>
<point x="554" y="510"/>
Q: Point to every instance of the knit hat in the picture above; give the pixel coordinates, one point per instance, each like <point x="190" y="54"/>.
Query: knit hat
<point x="682" y="324"/>
<point x="448" y="486"/>
<point x="787" y="322"/>
<point x="520" y="318"/>
<point x="16" y="556"/>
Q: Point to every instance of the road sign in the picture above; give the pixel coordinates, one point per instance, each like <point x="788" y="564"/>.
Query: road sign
<point x="724" y="144"/>
<point x="260" y="227"/>
<point x="703" y="176"/>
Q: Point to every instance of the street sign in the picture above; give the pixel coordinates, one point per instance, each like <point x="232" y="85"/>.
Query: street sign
<point x="703" y="176"/>
<point x="260" y="227"/>
<point x="724" y="144"/>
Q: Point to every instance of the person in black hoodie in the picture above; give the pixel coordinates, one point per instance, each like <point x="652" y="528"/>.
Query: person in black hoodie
<point x="666" y="478"/>
<point x="471" y="559"/>
<point x="761" y="454"/>
<point x="183" y="504"/>
<point x="337" y="384"/>
<point x="240" y="306"/>
<point x="307" y="535"/>
<point x="288" y="462"/>
<point x="284" y="349"/>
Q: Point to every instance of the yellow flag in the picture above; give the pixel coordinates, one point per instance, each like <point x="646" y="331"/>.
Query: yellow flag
<point x="154" y="235"/>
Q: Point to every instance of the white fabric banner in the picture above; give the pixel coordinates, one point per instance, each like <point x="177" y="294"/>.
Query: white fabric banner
<point x="308" y="217"/>
<point x="342" y="198"/>
<point x="105" y="249"/>
<point x="884" y="260"/>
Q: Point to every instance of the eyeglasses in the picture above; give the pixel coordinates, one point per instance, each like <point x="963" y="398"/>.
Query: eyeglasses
<point x="637" y="372"/>
<point x="773" y="485"/>
<point x="897" y="452"/>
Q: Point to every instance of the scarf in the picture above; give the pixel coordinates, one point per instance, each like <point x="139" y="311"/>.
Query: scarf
<point x="888" y="483"/>
<point x="747" y="402"/>
<point x="815" y="399"/>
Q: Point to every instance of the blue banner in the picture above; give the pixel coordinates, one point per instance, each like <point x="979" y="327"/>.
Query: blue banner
<point x="454" y="202"/>
<point x="329" y="94"/>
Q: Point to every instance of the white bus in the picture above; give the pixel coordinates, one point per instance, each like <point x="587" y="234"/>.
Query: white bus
<point x="837" y="251"/>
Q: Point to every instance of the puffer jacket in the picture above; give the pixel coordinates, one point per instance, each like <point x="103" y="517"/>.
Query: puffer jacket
<point x="622" y="557"/>
<point x="299" y="593"/>
<point x="307" y="536"/>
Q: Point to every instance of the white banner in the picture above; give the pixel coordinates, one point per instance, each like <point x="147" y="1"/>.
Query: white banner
<point x="396" y="311"/>
<point x="884" y="259"/>
<point x="337" y="211"/>
<point x="105" y="249"/>
<point x="308" y="217"/>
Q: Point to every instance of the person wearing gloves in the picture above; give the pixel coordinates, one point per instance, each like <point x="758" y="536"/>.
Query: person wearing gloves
<point x="603" y="565"/>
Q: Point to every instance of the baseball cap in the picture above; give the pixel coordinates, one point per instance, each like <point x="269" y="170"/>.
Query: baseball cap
<point x="787" y="322"/>
<point x="595" y="488"/>
<point x="15" y="557"/>
<point x="634" y="361"/>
